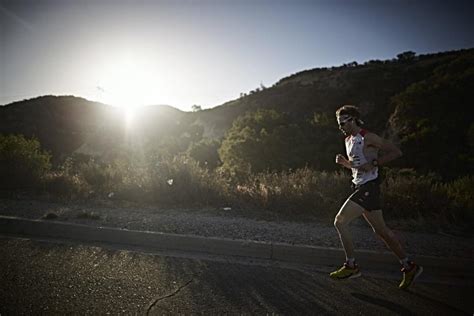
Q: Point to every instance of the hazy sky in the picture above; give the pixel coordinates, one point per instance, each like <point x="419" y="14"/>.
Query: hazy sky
<point x="205" y="52"/>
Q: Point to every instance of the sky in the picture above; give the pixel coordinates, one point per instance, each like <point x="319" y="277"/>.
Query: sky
<point x="189" y="52"/>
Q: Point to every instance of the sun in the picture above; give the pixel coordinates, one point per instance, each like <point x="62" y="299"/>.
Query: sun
<point x="128" y="85"/>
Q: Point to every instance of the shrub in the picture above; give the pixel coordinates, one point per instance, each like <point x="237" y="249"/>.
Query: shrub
<point x="180" y="181"/>
<point x="64" y="185"/>
<point x="84" y="178"/>
<point x="460" y="192"/>
<point x="23" y="163"/>
<point x="409" y="195"/>
<point x="303" y="191"/>
<point x="205" y="152"/>
<point x="102" y="177"/>
<point x="93" y="176"/>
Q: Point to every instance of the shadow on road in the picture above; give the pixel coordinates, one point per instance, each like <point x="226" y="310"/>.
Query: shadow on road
<point x="227" y="288"/>
<point x="439" y="303"/>
<point x="396" y="308"/>
<point x="52" y="278"/>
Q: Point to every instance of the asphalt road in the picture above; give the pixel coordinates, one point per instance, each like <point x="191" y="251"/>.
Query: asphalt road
<point x="40" y="277"/>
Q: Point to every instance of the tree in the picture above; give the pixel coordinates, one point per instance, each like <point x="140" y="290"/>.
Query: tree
<point x="432" y="119"/>
<point x="269" y="140"/>
<point x="196" y="108"/>
<point x="406" y="56"/>
<point x="205" y="152"/>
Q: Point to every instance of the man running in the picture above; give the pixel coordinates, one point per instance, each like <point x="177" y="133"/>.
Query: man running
<point x="362" y="149"/>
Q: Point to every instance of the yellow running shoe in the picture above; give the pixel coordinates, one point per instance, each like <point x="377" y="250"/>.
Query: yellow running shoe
<point x="410" y="274"/>
<point x="346" y="272"/>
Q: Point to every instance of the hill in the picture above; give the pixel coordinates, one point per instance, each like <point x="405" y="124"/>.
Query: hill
<point x="68" y="124"/>
<point x="422" y="102"/>
<point x="371" y="86"/>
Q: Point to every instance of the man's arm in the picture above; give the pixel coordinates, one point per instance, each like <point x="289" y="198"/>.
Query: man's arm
<point x="390" y="151"/>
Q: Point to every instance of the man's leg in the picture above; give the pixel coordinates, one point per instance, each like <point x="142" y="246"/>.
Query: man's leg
<point x="375" y="219"/>
<point x="410" y="269"/>
<point x="346" y="214"/>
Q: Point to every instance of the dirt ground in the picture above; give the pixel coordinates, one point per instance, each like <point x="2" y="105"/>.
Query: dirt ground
<point x="234" y="224"/>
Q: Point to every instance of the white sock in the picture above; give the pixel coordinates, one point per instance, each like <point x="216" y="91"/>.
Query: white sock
<point x="405" y="262"/>
<point x="351" y="261"/>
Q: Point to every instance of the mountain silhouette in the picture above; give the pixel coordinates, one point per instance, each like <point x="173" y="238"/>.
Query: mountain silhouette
<point x="388" y="92"/>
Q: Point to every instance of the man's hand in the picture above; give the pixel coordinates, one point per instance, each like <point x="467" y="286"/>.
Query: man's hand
<point x="341" y="160"/>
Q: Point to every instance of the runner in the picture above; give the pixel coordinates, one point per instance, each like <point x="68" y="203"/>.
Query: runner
<point x="362" y="148"/>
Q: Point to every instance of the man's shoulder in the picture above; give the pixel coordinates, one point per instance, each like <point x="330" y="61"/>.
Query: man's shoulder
<point x="367" y="134"/>
<point x="373" y="139"/>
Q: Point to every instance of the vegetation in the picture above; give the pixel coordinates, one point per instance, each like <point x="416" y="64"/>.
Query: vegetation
<point x="22" y="162"/>
<point x="272" y="148"/>
<point x="434" y="119"/>
<point x="303" y="192"/>
<point x="270" y="141"/>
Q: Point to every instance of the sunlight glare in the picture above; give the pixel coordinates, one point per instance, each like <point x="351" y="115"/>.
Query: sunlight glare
<point x="129" y="83"/>
<point x="129" y="114"/>
<point x="132" y="81"/>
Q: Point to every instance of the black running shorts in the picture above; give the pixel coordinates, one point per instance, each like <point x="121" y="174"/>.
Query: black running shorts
<point x="367" y="195"/>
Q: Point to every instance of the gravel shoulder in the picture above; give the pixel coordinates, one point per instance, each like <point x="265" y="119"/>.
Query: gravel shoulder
<point x="232" y="224"/>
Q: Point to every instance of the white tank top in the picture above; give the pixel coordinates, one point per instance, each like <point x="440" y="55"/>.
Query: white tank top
<point x="355" y="152"/>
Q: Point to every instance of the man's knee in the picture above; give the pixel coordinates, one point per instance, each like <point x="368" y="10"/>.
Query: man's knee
<point x="347" y="213"/>
<point x="339" y="221"/>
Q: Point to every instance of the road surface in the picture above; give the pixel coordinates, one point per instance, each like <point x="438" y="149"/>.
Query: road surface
<point x="71" y="278"/>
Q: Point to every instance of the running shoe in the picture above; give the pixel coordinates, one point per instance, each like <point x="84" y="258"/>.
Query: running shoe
<point x="410" y="274"/>
<point x="346" y="272"/>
